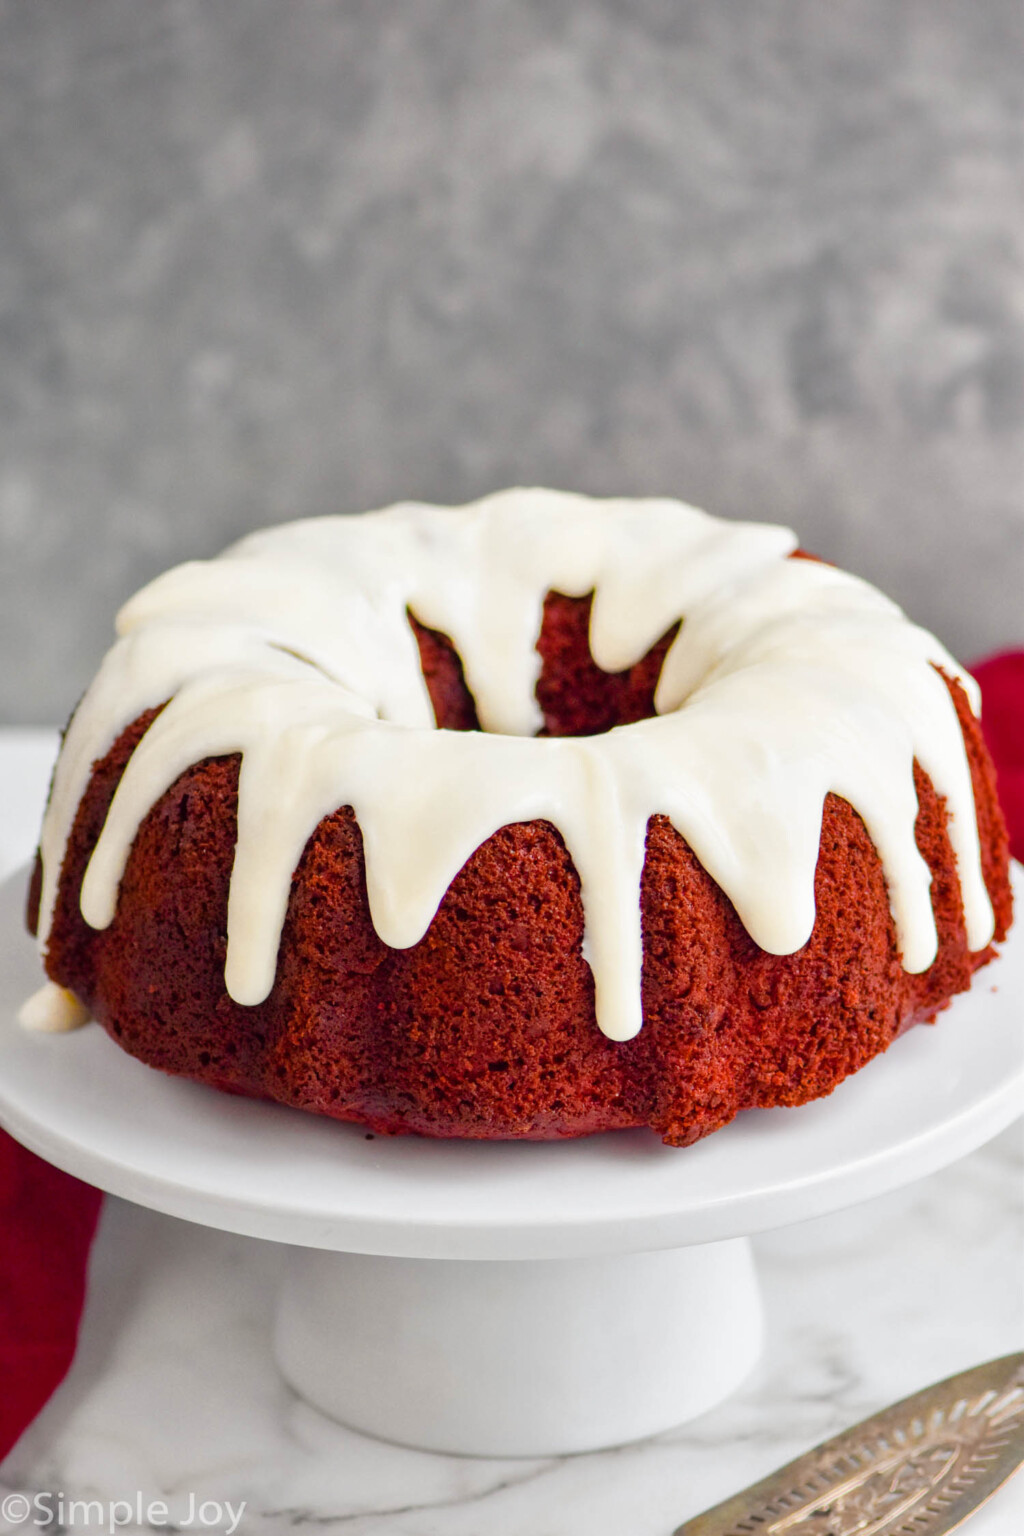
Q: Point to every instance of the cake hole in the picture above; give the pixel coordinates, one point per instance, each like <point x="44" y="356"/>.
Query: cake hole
<point x="441" y="665"/>
<point x="576" y="697"/>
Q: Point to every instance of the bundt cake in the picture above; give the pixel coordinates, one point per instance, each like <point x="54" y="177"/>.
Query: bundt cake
<point x="531" y="818"/>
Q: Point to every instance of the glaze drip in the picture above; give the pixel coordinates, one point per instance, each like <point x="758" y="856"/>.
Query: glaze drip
<point x="788" y="680"/>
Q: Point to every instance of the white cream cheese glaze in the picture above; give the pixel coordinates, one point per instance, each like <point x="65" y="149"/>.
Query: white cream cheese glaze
<point x="787" y="680"/>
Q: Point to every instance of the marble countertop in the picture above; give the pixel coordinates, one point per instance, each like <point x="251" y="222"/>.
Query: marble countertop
<point x="173" y="1396"/>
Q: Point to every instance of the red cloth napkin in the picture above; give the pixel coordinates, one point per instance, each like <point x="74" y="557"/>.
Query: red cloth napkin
<point x="1002" y="719"/>
<point x="47" y="1219"/>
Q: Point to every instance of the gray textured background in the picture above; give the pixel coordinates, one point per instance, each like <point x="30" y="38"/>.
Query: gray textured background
<point x="267" y="258"/>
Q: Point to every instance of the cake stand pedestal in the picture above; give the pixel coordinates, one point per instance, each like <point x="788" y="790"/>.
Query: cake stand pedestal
<point x="509" y="1299"/>
<point x="518" y="1357"/>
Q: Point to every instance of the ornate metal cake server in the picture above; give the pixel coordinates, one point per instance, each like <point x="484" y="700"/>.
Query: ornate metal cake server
<point x="919" y="1468"/>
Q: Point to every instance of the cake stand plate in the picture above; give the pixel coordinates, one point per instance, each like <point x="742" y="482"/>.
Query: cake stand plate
<point x="509" y="1298"/>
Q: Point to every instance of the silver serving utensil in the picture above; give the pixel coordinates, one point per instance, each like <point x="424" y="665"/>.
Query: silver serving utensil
<point x="919" y="1468"/>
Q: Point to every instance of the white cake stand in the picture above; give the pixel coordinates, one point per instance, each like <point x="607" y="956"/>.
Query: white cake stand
<point x="509" y="1299"/>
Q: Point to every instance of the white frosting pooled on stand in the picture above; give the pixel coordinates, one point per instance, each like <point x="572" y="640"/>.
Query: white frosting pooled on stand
<point x="787" y="680"/>
<point x="52" y="1010"/>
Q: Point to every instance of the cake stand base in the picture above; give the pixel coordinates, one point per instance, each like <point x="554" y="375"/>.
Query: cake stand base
<point x="519" y="1358"/>
<point x="509" y="1298"/>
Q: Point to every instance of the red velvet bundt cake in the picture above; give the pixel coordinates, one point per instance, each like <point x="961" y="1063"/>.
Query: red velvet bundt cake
<point x="532" y="818"/>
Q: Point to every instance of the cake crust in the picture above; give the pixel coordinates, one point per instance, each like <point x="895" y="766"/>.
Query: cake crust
<point x="486" y="1028"/>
